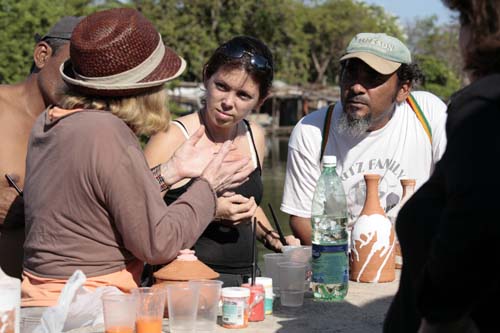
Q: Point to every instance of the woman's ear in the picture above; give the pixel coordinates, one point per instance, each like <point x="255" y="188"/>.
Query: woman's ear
<point x="41" y="54"/>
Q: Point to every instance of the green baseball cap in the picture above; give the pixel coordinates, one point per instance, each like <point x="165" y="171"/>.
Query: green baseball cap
<point x="383" y="53"/>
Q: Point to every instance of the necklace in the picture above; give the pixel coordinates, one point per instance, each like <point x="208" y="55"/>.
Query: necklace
<point x="210" y="135"/>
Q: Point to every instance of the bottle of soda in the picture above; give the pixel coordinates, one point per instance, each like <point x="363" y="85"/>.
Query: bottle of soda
<point x="330" y="257"/>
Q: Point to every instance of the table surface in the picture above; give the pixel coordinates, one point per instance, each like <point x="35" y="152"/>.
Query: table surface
<point x="362" y="311"/>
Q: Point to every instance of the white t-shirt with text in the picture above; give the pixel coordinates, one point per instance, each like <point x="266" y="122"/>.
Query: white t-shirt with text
<point x="399" y="150"/>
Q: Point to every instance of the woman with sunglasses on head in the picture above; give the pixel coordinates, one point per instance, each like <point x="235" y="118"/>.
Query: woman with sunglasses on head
<point x="238" y="78"/>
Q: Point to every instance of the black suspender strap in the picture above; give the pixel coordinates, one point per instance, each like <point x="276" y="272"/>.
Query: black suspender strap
<point x="326" y="129"/>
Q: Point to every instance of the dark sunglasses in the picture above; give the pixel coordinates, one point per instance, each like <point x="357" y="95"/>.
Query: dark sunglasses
<point x="237" y="51"/>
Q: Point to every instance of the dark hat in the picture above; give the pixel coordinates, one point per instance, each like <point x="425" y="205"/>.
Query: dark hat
<point x="118" y="52"/>
<point x="62" y="29"/>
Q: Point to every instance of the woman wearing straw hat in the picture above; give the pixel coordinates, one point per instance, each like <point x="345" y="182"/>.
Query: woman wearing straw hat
<point x="91" y="201"/>
<point x="238" y="78"/>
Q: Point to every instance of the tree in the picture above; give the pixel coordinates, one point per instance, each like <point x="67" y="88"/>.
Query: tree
<point x="20" y="20"/>
<point x="440" y="79"/>
<point x="330" y="26"/>
<point x="435" y="49"/>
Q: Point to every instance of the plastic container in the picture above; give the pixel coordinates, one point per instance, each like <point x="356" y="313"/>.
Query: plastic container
<point x="235" y="309"/>
<point x="256" y="302"/>
<point x="10" y="303"/>
<point x="267" y="283"/>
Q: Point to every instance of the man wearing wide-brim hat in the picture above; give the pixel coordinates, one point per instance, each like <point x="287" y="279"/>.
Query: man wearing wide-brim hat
<point x="379" y="126"/>
<point x="91" y="202"/>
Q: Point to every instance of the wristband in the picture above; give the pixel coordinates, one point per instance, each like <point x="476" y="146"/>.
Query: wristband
<point x="159" y="178"/>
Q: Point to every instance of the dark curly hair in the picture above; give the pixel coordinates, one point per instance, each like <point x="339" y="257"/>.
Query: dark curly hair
<point x="252" y="48"/>
<point x="482" y="20"/>
<point x="410" y="72"/>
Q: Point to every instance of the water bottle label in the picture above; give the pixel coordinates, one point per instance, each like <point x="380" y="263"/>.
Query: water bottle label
<point x="330" y="264"/>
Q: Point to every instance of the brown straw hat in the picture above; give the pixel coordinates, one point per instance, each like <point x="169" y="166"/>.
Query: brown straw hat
<point x="118" y="52"/>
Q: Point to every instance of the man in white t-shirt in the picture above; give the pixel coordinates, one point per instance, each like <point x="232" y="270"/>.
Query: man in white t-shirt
<point x="377" y="127"/>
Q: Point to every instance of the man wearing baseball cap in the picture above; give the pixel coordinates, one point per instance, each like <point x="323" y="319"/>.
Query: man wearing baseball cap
<point x="20" y="104"/>
<point x="378" y="126"/>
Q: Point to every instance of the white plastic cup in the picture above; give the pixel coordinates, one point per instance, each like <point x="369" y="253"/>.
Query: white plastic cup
<point x="182" y="307"/>
<point x="150" y="309"/>
<point x="300" y="254"/>
<point x="208" y="304"/>
<point x="292" y="283"/>
<point x="119" y="312"/>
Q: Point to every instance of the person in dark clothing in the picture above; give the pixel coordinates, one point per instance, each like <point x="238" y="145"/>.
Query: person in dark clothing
<point x="237" y="77"/>
<point x="449" y="229"/>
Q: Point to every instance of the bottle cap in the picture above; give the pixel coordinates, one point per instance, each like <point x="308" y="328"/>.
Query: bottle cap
<point x="235" y="292"/>
<point x="330" y="160"/>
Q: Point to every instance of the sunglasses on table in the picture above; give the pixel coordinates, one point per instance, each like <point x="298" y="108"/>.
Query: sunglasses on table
<point x="237" y="51"/>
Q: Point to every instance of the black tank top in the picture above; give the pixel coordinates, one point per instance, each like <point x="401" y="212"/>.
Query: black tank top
<point x="227" y="249"/>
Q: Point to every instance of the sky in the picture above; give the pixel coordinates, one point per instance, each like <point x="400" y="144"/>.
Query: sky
<point x="409" y="9"/>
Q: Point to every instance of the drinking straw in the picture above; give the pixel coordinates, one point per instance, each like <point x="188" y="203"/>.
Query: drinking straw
<point x="278" y="228"/>
<point x="254" y="266"/>
<point x="13" y="184"/>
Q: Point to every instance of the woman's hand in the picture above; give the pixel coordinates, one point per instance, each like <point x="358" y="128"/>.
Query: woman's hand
<point x="272" y="241"/>
<point x="189" y="160"/>
<point x="223" y="175"/>
<point x="235" y="208"/>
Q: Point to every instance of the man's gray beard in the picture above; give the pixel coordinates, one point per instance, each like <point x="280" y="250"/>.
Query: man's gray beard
<point x="353" y="127"/>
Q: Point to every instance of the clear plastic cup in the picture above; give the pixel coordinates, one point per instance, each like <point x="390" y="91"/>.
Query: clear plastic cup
<point x="150" y="307"/>
<point x="208" y="304"/>
<point x="119" y="313"/>
<point x="271" y="269"/>
<point x="300" y="254"/>
<point x="292" y="283"/>
<point x="182" y="307"/>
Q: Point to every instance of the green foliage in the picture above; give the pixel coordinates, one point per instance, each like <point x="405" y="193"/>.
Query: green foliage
<point x="331" y="25"/>
<point x="440" y="79"/>
<point x="435" y="49"/>
<point x="20" y="20"/>
<point x="307" y="37"/>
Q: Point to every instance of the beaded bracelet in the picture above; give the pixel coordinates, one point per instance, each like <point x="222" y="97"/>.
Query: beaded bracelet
<point x="159" y="178"/>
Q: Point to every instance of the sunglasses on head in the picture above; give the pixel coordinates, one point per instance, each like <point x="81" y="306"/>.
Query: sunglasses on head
<point x="237" y="51"/>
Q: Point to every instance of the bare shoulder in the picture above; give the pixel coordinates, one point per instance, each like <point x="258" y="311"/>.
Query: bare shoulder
<point x="8" y="98"/>
<point x="162" y="145"/>
<point x="191" y="122"/>
<point x="259" y="136"/>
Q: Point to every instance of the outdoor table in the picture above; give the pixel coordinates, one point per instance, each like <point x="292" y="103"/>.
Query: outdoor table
<point x="362" y="311"/>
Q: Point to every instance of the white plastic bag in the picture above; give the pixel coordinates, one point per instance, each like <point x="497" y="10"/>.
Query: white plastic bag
<point x="77" y="307"/>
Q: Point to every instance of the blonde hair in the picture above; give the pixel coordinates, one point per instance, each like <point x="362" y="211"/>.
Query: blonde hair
<point x="146" y="114"/>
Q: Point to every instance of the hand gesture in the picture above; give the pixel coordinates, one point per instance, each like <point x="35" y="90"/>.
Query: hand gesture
<point x="235" y="208"/>
<point x="224" y="175"/>
<point x="189" y="160"/>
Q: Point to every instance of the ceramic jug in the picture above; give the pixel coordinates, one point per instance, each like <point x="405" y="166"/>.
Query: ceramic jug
<point x="372" y="240"/>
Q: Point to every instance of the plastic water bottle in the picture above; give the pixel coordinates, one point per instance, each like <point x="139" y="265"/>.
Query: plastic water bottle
<point x="330" y="257"/>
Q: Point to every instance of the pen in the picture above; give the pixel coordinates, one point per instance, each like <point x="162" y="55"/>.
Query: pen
<point x="278" y="227"/>
<point x="13" y="184"/>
